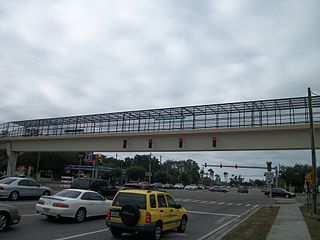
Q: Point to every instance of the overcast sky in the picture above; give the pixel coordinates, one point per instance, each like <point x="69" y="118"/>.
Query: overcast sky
<point x="72" y="57"/>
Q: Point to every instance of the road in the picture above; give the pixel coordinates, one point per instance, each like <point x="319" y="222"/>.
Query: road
<point x="208" y="212"/>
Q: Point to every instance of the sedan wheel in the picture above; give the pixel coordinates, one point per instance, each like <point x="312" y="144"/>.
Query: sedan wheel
<point x="80" y="215"/>
<point x="14" y="196"/>
<point x="3" y="221"/>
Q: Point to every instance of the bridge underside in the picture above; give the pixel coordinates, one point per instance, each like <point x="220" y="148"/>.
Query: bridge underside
<point x="257" y="138"/>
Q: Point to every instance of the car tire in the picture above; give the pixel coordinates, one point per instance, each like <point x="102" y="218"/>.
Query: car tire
<point x="129" y="215"/>
<point x="46" y="193"/>
<point x="14" y="196"/>
<point x="4" y="219"/>
<point x="183" y="225"/>
<point x="157" y="232"/>
<point x="80" y="215"/>
<point x="116" y="233"/>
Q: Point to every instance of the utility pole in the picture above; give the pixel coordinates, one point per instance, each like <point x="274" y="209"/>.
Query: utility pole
<point x="313" y="154"/>
<point x="150" y="170"/>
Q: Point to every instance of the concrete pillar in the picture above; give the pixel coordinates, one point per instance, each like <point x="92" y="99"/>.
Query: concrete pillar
<point x="12" y="161"/>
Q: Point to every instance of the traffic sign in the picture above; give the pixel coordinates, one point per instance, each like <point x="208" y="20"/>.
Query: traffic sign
<point x="309" y="178"/>
<point x="269" y="177"/>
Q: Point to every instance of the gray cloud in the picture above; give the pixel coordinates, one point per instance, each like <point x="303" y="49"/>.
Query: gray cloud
<point x="72" y="57"/>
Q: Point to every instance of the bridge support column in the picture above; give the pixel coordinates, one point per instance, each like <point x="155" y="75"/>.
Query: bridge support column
<point x="12" y="161"/>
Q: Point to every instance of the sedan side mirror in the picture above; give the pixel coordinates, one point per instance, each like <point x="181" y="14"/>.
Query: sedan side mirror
<point x="178" y="206"/>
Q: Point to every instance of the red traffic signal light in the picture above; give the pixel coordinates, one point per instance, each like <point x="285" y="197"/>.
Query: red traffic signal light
<point x="236" y="166"/>
<point x="180" y="142"/>
<point x="220" y="165"/>
<point x="214" y="141"/>
<point x="124" y="145"/>
<point x="150" y="143"/>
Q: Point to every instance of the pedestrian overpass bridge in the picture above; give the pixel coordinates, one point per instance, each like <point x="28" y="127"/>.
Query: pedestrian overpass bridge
<point x="276" y="124"/>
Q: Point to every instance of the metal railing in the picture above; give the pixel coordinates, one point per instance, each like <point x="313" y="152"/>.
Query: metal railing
<point x="288" y="111"/>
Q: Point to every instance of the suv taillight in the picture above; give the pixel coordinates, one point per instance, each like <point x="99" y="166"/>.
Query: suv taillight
<point x="148" y="217"/>
<point x="109" y="214"/>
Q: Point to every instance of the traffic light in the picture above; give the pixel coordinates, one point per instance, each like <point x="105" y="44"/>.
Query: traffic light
<point x="150" y="143"/>
<point x="220" y="165"/>
<point x="269" y="166"/>
<point x="236" y="166"/>
<point x="214" y="142"/>
<point x="180" y="142"/>
<point x="124" y="145"/>
<point x="205" y="164"/>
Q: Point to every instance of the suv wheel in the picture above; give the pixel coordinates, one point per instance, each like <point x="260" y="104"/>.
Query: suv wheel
<point x="157" y="232"/>
<point x="129" y="215"/>
<point x="116" y="233"/>
<point x="183" y="225"/>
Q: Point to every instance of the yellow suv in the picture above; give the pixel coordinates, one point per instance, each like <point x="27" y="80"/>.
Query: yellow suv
<point x="145" y="211"/>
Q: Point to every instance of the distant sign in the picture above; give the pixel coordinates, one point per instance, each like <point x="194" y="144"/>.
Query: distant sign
<point x="148" y="174"/>
<point x="269" y="177"/>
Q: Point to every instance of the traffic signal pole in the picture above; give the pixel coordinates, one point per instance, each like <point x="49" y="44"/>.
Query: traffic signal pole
<point x="233" y="166"/>
<point x="313" y="154"/>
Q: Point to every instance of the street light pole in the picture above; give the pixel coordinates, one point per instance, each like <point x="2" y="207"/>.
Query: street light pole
<point x="150" y="170"/>
<point x="313" y="154"/>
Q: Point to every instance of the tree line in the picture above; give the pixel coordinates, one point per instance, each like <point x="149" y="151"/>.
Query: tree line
<point x="169" y="171"/>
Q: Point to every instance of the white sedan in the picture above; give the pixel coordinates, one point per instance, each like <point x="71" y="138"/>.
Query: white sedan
<point x="73" y="203"/>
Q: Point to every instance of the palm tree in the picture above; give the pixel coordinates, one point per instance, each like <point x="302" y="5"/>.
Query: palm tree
<point x="211" y="172"/>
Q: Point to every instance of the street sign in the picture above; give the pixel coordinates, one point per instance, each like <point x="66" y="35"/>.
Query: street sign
<point x="309" y="178"/>
<point x="269" y="177"/>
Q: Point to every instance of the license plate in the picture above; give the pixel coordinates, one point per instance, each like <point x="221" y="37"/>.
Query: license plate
<point x="46" y="210"/>
<point x="114" y="214"/>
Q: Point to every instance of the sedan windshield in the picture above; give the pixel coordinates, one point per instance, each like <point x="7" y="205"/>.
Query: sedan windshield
<point x="68" y="193"/>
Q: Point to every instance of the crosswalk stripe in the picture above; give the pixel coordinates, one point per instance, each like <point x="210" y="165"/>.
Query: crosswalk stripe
<point x="248" y="205"/>
<point x="229" y="204"/>
<point x="221" y="203"/>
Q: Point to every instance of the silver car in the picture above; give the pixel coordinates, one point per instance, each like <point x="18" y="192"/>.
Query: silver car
<point x="15" y="187"/>
<point x="9" y="215"/>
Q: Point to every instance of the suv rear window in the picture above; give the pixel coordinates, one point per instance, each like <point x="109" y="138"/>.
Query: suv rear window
<point x="138" y="200"/>
<point x="81" y="183"/>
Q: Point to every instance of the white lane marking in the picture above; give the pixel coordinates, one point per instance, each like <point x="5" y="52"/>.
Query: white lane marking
<point x="220" y="203"/>
<point x="211" y="213"/>
<point x="30" y="215"/>
<point x="213" y="202"/>
<point x="216" y="230"/>
<point x="195" y="200"/>
<point x="226" y="224"/>
<point x="238" y="204"/>
<point x="81" y="235"/>
<point x="204" y="202"/>
<point x="248" y="205"/>
<point x="229" y="204"/>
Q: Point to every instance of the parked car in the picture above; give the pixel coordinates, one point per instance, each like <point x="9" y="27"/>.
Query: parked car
<point x="15" y="187"/>
<point x="101" y="186"/>
<point x="201" y="187"/>
<point x="178" y="186"/>
<point x="157" y="185"/>
<point x="73" y="203"/>
<point x="191" y="187"/>
<point x="143" y="211"/>
<point x="167" y="186"/>
<point x="217" y="189"/>
<point x="9" y="215"/>
<point x="280" y="192"/>
<point x="243" y="189"/>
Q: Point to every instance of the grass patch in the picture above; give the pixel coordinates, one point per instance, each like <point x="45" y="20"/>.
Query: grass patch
<point x="257" y="226"/>
<point x="312" y="222"/>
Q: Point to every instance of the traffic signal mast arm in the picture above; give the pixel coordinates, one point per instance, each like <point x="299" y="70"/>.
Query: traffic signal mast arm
<point x="233" y="166"/>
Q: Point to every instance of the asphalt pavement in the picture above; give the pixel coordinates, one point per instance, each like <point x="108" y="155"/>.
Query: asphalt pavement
<point x="208" y="213"/>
